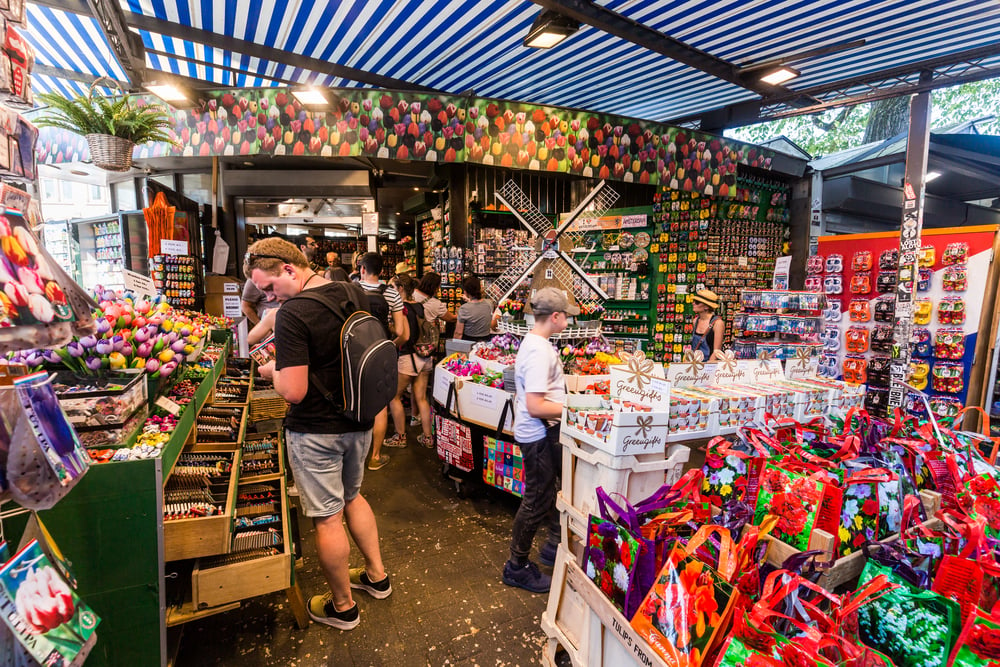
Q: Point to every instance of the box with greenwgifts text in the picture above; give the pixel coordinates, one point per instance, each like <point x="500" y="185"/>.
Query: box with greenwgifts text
<point x="633" y="420"/>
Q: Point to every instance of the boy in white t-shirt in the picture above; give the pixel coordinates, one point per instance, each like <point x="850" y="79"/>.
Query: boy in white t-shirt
<point x="541" y="392"/>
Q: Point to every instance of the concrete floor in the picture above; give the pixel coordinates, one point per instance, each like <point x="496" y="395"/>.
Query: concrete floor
<point x="448" y="605"/>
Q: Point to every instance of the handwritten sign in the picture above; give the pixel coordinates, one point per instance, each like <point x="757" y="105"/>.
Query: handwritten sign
<point x="170" y="247"/>
<point x="138" y="283"/>
<point x="369" y="224"/>
<point x="629" y="221"/>
<point x="169" y="405"/>
<point x="231" y="306"/>
<point x="484" y="405"/>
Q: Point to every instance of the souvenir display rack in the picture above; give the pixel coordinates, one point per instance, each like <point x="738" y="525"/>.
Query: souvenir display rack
<point x="449" y="263"/>
<point x="722" y="244"/>
<point x="778" y="323"/>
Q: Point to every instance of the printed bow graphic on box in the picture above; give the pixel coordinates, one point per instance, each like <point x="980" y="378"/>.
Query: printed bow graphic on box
<point x="640" y="381"/>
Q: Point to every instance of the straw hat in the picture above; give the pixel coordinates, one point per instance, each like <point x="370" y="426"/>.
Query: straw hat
<point x="402" y="267"/>
<point x="708" y="298"/>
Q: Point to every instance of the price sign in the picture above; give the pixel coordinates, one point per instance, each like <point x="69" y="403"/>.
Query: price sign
<point x="168" y="405"/>
<point x="231" y="306"/>
<point x="369" y="224"/>
<point x="169" y="247"/>
<point x="138" y="283"/>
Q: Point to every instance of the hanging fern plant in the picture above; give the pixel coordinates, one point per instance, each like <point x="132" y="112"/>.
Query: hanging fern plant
<point x="102" y="119"/>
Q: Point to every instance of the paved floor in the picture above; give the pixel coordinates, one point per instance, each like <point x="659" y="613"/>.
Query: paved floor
<point x="448" y="605"/>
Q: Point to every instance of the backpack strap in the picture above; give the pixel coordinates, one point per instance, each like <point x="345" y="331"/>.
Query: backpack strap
<point x="336" y="309"/>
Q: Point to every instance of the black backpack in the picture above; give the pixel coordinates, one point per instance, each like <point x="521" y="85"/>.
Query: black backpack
<point x="378" y="306"/>
<point x="424" y="335"/>
<point x="368" y="368"/>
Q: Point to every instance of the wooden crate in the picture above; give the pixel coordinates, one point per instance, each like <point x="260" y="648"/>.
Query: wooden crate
<point x="245" y="387"/>
<point x="215" y="582"/>
<point x="278" y="471"/>
<point x="203" y="536"/>
<point x="218" y="445"/>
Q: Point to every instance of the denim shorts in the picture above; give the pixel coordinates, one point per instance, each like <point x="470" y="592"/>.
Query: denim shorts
<point x="328" y="468"/>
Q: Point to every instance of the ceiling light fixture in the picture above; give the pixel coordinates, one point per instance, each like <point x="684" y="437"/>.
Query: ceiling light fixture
<point x="172" y="92"/>
<point x="779" y="75"/>
<point x="549" y="29"/>
<point x="311" y="97"/>
<point x="931" y="175"/>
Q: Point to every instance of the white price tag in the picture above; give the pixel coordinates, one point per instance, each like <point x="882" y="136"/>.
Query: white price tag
<point x="169" y="247"/>
<point x="168" y="405"/>
<point x="231" y="306"/>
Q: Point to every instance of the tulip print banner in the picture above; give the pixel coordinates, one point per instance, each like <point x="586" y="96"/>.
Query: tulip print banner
<point x="442" y="128"/>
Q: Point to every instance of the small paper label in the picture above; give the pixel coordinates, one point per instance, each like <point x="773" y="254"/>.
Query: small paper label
<point x="231" y="288"/>
<point x="742" y="261"/>
<point x="168" y="405"/>
<point x="138" y="283"/>
<point x="169" y="247"/>
<point x="231" y="306"/>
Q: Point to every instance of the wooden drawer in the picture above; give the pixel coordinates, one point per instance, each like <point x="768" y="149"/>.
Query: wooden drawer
<point x="223" y="579"/>
<point x="220" y="417"/>
<point x="202" y="536"/>
<point x="260" y="463"/>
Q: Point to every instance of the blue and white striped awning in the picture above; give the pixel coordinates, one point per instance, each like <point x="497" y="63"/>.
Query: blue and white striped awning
<point x="476" y="45"/>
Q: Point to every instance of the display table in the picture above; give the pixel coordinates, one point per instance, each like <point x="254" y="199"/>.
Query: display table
<point x="111" y="527"/>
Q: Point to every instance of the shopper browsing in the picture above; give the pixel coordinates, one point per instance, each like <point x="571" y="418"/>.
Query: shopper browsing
<point x="384" y="303"/>
<point x="426" y="293"/>
<point x="255" y="303"/>
<point x="541" y="392"/>
<point x="475" y="317"/>
<point x="709" y="329"/>
<point x="415" y="368"/>
<point x="326" y="451"/>
<point x="334" y="271"/>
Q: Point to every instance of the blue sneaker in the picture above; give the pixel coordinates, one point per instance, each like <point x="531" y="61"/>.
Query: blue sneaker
<point x="527" y="577"/>
<point x="547" y="554"/>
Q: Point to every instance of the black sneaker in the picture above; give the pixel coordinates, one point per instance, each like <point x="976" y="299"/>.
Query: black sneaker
<point x="527" y="577"/>
<point x="321" y="610"/>
<point x="379" y="590"/>
<point x="547" y="554"/>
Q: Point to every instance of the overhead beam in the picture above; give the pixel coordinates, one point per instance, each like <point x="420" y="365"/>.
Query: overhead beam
<point x="621" y="26"/>
<point x="126" y="45"/>
<point x="226" y="43"/>
<point x="70" y="75"/>
<point x="197" y="83"/>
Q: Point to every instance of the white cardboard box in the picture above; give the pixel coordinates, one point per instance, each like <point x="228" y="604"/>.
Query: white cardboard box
<point x="485" y="406"/>
<point x="631" y="432"/>
<point x="576" y="384"/>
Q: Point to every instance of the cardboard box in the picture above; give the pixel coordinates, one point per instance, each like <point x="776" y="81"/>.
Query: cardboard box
<point x="577" y="384"/>
<point x="485" y="405"/>
<point x="223" y="285"/>
<point x="224" y="305"/>
<point x="631" y="433"/>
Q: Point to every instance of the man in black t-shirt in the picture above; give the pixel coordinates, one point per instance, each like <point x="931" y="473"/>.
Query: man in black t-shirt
<point x="326" y="451"/>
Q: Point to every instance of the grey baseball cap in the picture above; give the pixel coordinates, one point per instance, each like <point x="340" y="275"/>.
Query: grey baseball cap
<point x="550" y="300"/>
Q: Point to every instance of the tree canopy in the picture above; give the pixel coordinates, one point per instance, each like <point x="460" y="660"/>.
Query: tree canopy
<point x="838" y="129"/>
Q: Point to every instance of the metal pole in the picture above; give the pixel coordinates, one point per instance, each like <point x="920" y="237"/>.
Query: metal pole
<point x="914" y="185"/>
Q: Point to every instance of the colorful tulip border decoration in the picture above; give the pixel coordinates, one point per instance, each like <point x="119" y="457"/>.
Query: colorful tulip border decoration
<point x="441" y="128"/>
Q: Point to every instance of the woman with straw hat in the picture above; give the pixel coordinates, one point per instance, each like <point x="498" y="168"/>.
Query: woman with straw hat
<point x="709" y="328"/>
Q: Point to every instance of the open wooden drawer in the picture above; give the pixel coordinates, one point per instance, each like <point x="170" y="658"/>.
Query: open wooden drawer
<point x="205" y="535"/>
<point x="239" y="575"/>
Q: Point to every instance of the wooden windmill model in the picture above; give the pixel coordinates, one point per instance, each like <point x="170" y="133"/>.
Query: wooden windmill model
<point x="551" y="265"/>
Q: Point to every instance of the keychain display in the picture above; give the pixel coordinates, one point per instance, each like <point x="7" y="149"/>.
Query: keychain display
<point x="919" y="370"/>
<point x="860" y="310"/>
<point x="878" y="370"/>
<point x="813" y="283"/>
<point x="955" y="279"/>
<point x="861" y="283"/>
<point x="922" y="311"/>
<point x="951" y="310"/>
<point x="877" y="399"/>
<point x="855" y="370"/>
<point x="835" y="263"/>
<point x="924" y="280"/>
<point x="949" y="344"/>
<point x="886" y="282"/>
<point x="811" y="301"/>
<point x="881" y="338"/>
<point x="800" y="325"/>
<point x="857" y="340"/>
<point x="948" y="377"/>
<point x="926" y="257"/>
<point x="885" y="309"/>
<point x="831" y="339"/>
<point x="833" y="284"/>
<point x="955" y="253"/>
<point x="888" y="260"/>
<point x="814" y="264"/>
<point x="862" y="260"/>
<point x="832" y="312"/>
<point x="920" y="343"/>
<point x="828" y="365"/>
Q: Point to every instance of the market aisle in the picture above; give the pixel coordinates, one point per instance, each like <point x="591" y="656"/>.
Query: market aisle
<point x="448" y="605"/>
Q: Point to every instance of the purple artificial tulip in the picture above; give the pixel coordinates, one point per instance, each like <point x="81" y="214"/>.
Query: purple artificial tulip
<point x="178" y="346"/>
<point x="103" y="326"/>
<point x="144" y="349"/>
<point x="94" y="363"/>
<point x="141" y="335"/>
<point x="75" y="349"/>
<point x="88" y="342"/>
<point x="34" y="359"/>
<point x="51" y="356"/>
<point x="167" y="368"/>
<point x="127" y="349"/>
<point x="152" y="365"/>
<point x="118" y="341"/>
<point x="104" y="347"/>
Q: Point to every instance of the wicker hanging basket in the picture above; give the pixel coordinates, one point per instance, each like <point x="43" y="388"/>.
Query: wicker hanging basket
<point x="109" y="152"/>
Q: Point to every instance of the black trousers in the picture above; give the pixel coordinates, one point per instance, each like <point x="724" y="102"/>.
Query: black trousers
<point x="542" y="461"/>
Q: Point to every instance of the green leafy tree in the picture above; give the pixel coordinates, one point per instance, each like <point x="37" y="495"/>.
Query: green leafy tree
<point x="838" y="129"/>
